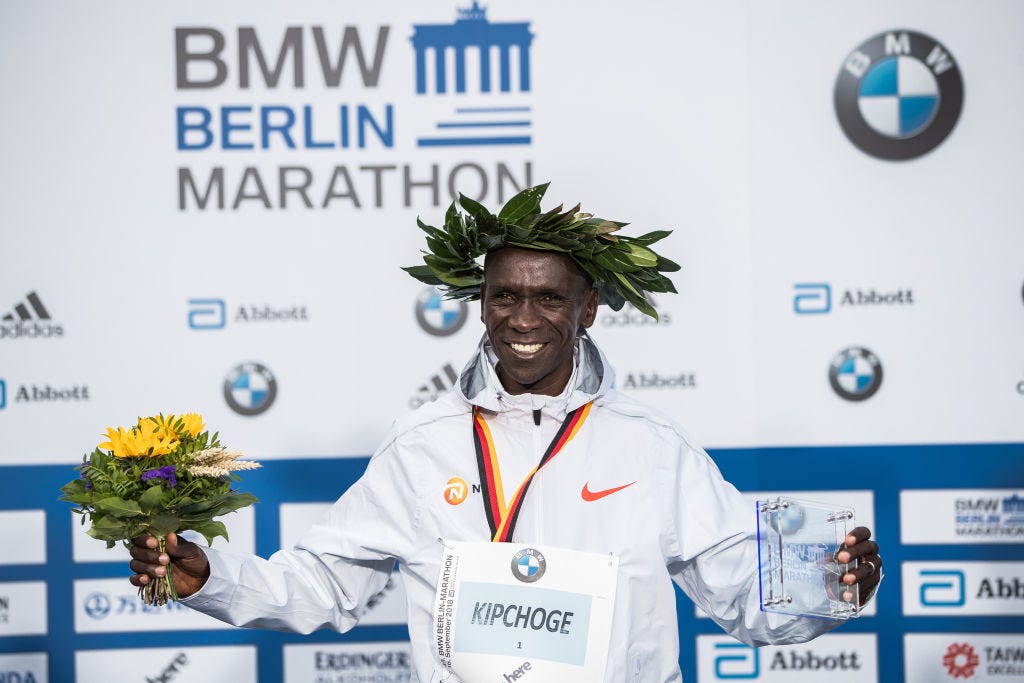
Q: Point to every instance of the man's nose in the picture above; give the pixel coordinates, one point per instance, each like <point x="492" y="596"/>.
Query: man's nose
<point x="524" y="317"/>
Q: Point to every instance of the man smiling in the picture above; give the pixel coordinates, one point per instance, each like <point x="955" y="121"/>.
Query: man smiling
<point x="590" y="503"/>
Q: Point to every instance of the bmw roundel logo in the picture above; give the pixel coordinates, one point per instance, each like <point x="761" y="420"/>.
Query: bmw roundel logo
<point x="250" y="389"/>
<point x="855" y="373"/>
<point x="528" y="565"/>
<point x="439" y="316"/>
<point x="898" y="95"/>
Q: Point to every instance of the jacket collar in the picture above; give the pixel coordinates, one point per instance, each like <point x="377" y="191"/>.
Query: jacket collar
<point x="592" y="377"/>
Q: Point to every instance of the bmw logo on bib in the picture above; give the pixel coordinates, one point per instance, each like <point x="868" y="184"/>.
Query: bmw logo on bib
<point x="528" y="565"/>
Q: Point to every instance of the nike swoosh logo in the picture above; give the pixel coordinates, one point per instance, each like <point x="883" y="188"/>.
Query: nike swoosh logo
<point x="591" y="496"/>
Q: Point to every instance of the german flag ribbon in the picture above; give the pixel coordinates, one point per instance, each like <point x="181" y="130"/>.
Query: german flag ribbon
<point x="502" y="516"/>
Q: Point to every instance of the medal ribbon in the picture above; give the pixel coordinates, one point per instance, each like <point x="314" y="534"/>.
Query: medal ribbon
<point x="501" y="517"/>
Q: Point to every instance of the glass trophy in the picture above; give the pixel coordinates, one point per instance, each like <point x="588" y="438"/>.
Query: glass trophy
<point x="797" y="546"/>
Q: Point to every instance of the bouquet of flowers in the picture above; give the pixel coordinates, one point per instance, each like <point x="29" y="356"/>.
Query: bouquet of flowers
<point x="162" y="475"/>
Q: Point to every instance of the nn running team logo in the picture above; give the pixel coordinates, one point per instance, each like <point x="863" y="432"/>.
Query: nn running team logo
<point x="528" y="565"/>
<point x="456" y="490"/>
<point x="899" y="95"/>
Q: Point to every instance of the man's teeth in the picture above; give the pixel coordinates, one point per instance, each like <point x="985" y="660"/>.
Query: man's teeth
<point x="526" y="348"/>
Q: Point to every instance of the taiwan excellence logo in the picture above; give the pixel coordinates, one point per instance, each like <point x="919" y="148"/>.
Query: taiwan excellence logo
<point x="438" y="316"/>
<point x="898" y="95"/>
<point x="250" y="389"/>
<point x="528" y="565"/>
<point x="960" y="660"/>
<point x="855" y="373"/>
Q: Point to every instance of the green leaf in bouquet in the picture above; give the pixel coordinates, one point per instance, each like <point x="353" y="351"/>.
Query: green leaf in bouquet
<point x="107" y="528"/>
<point x="153" y="499"/>
<point x="210" y="530"/>
<point x="118" y="507"/>
<point x="164" y="523"/>
<point x="75" y="492"/>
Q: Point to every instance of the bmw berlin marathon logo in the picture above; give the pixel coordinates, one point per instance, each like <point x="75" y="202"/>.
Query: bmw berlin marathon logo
<point x="438" y="316"/>
<point x="528" y="565"/>
<point x="250" y="389"/>
<point x="855" y="373"/>
<point x="898" y="95"/>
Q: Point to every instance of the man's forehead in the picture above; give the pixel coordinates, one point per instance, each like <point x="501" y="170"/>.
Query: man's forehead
<point x="513" y="263"/>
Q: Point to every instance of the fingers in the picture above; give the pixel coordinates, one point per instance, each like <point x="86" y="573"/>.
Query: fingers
<point x="867" y="566"/>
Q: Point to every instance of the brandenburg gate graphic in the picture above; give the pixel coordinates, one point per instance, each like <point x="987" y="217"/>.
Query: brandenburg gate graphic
<point x="472" y="30"/>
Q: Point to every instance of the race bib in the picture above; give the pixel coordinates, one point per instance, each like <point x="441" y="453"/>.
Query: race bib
<point x="514" y="612"/>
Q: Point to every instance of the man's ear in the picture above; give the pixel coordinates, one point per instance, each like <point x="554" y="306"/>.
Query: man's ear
<point x="482" y="293"/>
<point x="589" y="308"/>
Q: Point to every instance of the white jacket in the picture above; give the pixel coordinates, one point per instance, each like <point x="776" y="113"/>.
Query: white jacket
<point x="680" y="521"/>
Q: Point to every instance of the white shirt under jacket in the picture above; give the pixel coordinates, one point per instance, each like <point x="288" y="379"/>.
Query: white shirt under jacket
<point x="680" y="521"/>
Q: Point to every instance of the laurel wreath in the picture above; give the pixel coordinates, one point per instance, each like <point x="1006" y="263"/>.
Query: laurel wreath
<point x="622" y="268"/>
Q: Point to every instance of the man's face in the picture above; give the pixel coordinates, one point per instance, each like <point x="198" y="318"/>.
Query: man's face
<point x="533" y="303"/>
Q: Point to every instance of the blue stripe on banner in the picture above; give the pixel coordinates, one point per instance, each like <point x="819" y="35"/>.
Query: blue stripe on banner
<point x="886" y="470"/>
<point x="488" y="110"/>
<point x="482" y="124"/>
<point x="468" y="142"/>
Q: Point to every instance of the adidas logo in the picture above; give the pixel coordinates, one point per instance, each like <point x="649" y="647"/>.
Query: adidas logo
<point x="438" y="384"/>
<point x="29" y="320"/>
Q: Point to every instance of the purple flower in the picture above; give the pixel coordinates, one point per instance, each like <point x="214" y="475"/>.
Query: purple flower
<point x="166" y="473"/>
<point x="81" y="475"/>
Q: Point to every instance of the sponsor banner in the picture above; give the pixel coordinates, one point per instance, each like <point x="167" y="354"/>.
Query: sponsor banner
<point x="836" y="658"/>
<point x="132" y="665"/>
<point x="862" y="502"/>
<point x="937" y="657"/>
<point x="23" y="608"/>
<point x="954" y="588"/>
<point x="26" y="531"/>
<point x="24" y="667"/>
<point x="353" y="663"/>
<point x="386" y="607"/>
<point x="940" y="516"/>
<point x="113" y="606"/>
<point x="241" y="530"/>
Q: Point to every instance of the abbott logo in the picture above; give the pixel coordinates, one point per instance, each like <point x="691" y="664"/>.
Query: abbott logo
<point x="942" y="588"/>
<point x="736" y="661"/>
<point x="812" y="298"/>
<point x="206" y="314"/>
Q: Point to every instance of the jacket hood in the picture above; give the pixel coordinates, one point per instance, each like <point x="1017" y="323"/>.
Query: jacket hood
<point x="592" y="377"/>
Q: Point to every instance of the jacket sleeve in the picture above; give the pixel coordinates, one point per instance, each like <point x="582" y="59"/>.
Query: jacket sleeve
<point x="712" y="555"/>
<point x="340" y="563"/>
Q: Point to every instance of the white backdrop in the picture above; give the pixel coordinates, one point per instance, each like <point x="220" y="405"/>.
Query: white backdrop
<point x="716" y="120"/>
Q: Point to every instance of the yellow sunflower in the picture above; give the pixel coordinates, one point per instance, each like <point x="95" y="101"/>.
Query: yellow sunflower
<point x="135" y="443"/>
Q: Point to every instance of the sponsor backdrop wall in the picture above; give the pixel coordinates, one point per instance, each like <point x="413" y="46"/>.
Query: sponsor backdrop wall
<point x="205" y="207"/>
